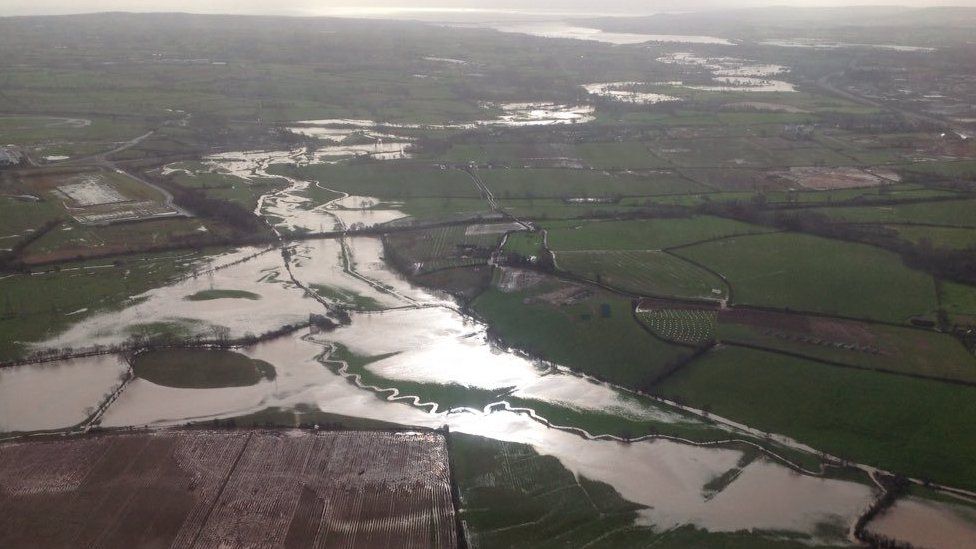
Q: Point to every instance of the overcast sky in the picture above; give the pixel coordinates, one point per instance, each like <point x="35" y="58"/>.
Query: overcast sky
<point x="415" y="7"/>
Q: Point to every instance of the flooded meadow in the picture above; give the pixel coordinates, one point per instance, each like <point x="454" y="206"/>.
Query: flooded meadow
<point x="411" y="356"/>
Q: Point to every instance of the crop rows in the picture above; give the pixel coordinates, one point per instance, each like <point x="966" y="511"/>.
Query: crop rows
<point x="205" y="489"/>
<point x="689" y="326"/>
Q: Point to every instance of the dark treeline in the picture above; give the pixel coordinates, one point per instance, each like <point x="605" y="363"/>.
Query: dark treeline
<point x="229" y="213"/>
<point x="11" y="260"/>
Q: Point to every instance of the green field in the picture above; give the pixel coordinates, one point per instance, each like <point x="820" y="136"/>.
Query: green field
<point x="937" y="237"/>
<point x="200" y="369"/>
<point x="644" y="273"/>
<point x="577" y="334"/>
<point x="916" y="427"/>
<point x="387" y="179"/>
<point x="628" y="155"/>
<point x="949" y="213"/>
<point x="73" y="240"/>
<point x="869" y="346"/>
<point x="445" y="208"/>
<point x="19" y="216"/>
<point x="808" y="273"/>
<point x="207" y="295"/>
<point x="958" y="299"/>
<point x="564" y="183"/>
<point x="643" y="234"/>
<point x="525" y="244"/>
<point x="441" y="248"/>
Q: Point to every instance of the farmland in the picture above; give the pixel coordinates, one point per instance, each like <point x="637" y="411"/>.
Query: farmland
<point x="548" y="183"/>
<point x="648" y="273"/>
<point x="843" y="411"/>
<point x="620" y="308"/>
<point x="589" y="330"/>
<point x="446" y="247"/>
<point x="806" y="273"/>
<point x="645" y="235"/>
<point x="955" y="213"/>
<point x="200" y="488"/>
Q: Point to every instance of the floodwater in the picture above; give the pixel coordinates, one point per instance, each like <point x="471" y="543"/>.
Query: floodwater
<point x="56" y="395"/>
<point x="926" y="523"/>
<point x="627" y="92"/>
<point x="429" y="342"/>
<point x="669" y="478"/>
<point x="515" y="114"/>
<point x="732" y="73"/>
<point x="557" y="29"/>
<point x="827" y="45"/>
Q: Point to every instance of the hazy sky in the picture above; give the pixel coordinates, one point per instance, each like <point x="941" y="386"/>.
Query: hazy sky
<point x="415" y="7"/>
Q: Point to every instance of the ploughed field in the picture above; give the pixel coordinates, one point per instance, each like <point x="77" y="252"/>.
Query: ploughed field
<point x="228" y="489"/>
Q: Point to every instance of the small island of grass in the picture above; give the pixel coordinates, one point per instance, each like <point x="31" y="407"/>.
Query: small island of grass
<point x="200" y="369"/>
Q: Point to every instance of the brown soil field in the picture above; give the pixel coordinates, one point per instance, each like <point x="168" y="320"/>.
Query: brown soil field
<point x="228" y="489"/>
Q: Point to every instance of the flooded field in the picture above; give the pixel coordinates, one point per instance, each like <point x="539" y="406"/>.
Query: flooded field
<point x="925" y="523"/>
<point x="733" y="74"/>
<point x="409" y="356"/>
<point x="56" y="395"/>
<point x="627" y="92"/>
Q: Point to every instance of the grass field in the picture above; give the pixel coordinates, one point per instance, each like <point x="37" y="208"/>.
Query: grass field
<point x="562" y="183"/>
<point x="869" y="346"/>
<point x="937" y="237"/>
<point x="643" y="234"/>
<point x="917" y="427"/>
<point x="207" y="295"/>
<point x="18" y="217"/>
<point x="395" y="180"/>
<point x="949" y="213"/>
<point x="525" y="244"/>
<point x="200" y="369"/>
<point x="958" y="299"/>
<point x="73" y="240"/>
<point x="445" y="208"/>
<point x="443" y="247"/>
<point x="628" y="155"/>
<point x="808" y="273"/>
<point x="646" y="273"/>
<point x="577" y="334"/>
